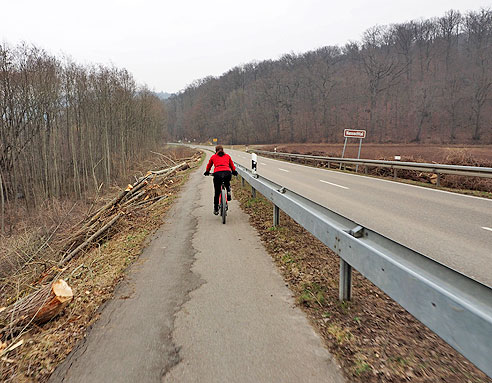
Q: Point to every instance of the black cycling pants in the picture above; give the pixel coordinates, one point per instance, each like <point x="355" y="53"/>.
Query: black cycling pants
<point x="224" y="176"/>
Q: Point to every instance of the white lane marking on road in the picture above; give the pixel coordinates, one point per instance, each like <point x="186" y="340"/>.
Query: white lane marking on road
<point x="487" y="228"/>
<point x="382" y="180"/>
<point x="331" y="183"/>
<point x="413" y="186"/>
<point x="288" y="171"/>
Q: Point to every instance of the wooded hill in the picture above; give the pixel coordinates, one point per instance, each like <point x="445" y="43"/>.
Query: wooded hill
<point x="419" y="81"/>
<point x="66" y="129"/>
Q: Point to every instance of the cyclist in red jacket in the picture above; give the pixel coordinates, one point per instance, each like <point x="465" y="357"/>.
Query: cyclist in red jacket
<point x="223" y="168"/>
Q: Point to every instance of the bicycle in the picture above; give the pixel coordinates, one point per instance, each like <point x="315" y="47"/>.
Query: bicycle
<point x="223" y="205"/>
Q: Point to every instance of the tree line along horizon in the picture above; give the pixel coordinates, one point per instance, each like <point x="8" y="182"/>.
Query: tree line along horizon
<point x="66" y="129"/>
<point x="423" y="81"/>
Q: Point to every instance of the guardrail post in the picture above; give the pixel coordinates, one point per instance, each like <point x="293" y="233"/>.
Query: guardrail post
<point x="438" y="181"/>
<point x="345" y="287"/>
<point x="253" y="192"/>
<point x="365" y="169"/>
<point x="276" y="215"/>
<point x="394" y="173"/>
<point x="242" y="181"/>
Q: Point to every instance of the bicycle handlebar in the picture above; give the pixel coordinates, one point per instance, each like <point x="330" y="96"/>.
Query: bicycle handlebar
<point x="211" y="174"/>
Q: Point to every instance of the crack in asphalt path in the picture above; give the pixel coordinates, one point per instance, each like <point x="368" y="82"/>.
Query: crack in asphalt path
<point x="132" y="340"/>
<point x="204" y="303"/>
<point x="242" y="324"/>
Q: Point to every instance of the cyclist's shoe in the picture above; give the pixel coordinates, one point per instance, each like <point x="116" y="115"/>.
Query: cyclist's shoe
<point x="229" y="196"/>
<point x="216" y="210"/>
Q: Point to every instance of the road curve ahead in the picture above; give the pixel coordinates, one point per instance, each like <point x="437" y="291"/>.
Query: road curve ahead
<point x="451" y="228"/>
<point x="204" y="303"/>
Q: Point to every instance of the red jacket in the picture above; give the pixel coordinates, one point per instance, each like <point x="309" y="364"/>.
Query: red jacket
<point x="221" y="163"/>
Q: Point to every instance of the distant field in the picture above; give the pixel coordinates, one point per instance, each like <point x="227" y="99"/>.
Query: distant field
<point x="423" y="153"/>
<point x="444" y="154"/>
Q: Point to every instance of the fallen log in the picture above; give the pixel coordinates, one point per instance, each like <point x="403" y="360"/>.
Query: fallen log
<point x="135" y="190"/>
<point x="180" y="166"/>
<point x="133" y="199"/>
<point x="89" y="231"/>
<point x="77" y="237"/>
<point x="132" y="189"/>
<point x="151" y="201"/>
<point x="91" y="239"/>
<point x="38" y="307"/>
<point x="110" y="204"/>
<point x="166" y="157"/>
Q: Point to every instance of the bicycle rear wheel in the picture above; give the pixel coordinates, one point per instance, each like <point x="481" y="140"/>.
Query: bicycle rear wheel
<point x="223" y="205"/>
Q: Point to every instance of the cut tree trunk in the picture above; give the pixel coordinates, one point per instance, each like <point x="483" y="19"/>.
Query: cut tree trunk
<point x="91" y="239"/>
<point x="38" y="307"/>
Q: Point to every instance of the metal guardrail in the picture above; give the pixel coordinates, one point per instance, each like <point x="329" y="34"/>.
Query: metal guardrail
<point x="473" y="171"/>
<point x="455" y="307"/>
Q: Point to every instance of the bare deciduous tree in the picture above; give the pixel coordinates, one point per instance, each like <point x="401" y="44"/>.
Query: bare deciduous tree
<point x="65" y="128"/>
<point x="425" y="80"/>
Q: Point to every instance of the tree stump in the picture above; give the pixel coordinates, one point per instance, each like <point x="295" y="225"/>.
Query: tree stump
<point x="38" y="307"/>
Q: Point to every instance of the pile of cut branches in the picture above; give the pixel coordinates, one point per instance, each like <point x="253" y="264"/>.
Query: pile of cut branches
<point x="47" y="299"/>
<point x="139" y="195"/>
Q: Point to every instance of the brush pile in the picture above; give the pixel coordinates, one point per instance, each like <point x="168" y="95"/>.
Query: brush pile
<point x="140" y="195"/>
<point x="49" y="294"/>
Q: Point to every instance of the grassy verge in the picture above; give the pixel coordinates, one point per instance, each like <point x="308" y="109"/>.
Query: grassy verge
<point x="93" y="277"/>
<point x="373" y="338"/>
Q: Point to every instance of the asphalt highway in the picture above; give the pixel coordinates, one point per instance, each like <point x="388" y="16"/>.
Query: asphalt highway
<point x="451" y="228"/>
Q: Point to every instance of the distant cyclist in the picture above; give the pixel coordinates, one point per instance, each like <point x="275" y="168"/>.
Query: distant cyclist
<point x="223" y="168"/>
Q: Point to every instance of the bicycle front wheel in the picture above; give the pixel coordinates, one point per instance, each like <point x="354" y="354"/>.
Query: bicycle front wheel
<point x="223" y="205"/>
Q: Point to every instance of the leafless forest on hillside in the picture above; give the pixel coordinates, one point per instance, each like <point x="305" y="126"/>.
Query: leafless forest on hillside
<point x="67" y="129"/>
<point x="425" y="81"/>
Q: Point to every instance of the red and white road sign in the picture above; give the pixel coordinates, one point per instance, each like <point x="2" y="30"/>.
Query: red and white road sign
<point x="354" y="133"/>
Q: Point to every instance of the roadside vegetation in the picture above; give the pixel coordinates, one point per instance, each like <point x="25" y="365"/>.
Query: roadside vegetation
<point x="71" y="138"/>
<point x="464" y="155"/>
<point x="373" y="338"/>
<point x="67" y="130"/>
<point x="30" y="258"/>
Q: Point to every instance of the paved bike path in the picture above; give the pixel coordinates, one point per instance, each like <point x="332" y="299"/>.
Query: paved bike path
<point x="206" y="304"/>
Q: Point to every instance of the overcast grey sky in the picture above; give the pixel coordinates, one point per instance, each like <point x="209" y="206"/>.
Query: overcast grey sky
<point x="169" y="44"/>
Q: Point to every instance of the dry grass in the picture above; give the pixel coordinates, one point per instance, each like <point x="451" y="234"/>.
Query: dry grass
<point x="429" y="153"/>
<point x="93" y="277"/>
<point x="374" y="339"/>
<point x="458" y="155"/>
<point x="33" y="247"/>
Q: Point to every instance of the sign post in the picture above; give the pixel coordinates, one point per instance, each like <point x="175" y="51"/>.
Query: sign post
<point x="352" y="133"/>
